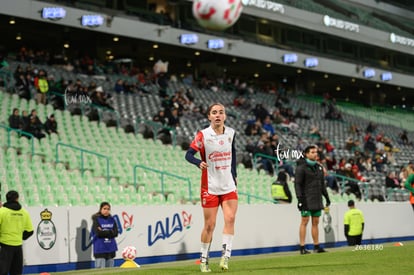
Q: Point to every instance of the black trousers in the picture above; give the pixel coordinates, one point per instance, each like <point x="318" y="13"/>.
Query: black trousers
<point x="11" y="259"/>
<point x="354" y="240"/>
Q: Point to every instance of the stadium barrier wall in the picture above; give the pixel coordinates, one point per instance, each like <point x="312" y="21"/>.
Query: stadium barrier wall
<point x="168" y="233"/>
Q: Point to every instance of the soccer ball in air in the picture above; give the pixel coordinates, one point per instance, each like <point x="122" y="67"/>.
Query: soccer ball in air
<point x="129" y="253"/>
<point x="217" y="15"/>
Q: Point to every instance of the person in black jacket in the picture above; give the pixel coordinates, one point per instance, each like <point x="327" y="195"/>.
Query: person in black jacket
<point x="309" y="188"/>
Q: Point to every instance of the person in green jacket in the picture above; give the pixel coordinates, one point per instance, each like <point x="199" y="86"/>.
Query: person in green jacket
<point x="15" y="226"/>
<point x="353" y="224"/>
<point x="409" y="183"/>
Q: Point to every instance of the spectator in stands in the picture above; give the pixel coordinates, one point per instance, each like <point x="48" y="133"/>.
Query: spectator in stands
<point x="23" y="85"/>
<point x="267" y="125"/>
<point x="300" y="114"/>
<point x="173" y="118"/>
<point x="15" y="120"/>
<point x="2" y="85"/>
<point x="330" y="149"/>
<point x="104" y="232"/>
<point x="349" y="144"/>
<point x="371" y="127"/>
<point x="333" y="112"/>
<point x="355" y="130"/>
<point x="369" y="145"/>
<point x="100" y="98"/>
<point x="402" y="176"/>
<point x="160" y="117"/>
<point x="35" y="126"/>
<point x="260" y="112"/>
<point x="263" y="147"/>
<point x="42" y="87"/>
<point x="351" y="186"/>
<point x="404" y="138"/>
<point x="367" y="164"/>
<point x="25" y="120"/>
<point x="314" y="132"/>
<point x="119" y="86"/>
<point x="379" y="160"/>
<point x="280" y="190"/>
<point x="51" y="125"/>
<point x="277" y="117"/>
<point x="253" y="128"/>
<point x="391" y="181"/>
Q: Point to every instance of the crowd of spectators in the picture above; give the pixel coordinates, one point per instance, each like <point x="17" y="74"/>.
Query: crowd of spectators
<point x="30" y="124"/>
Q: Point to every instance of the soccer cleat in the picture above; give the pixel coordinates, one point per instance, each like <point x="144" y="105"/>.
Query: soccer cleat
<point x="319" y="250"/>
<point x="224" y="263"/>
<point x="204" y="267"/>
<point x="303" y="251"/>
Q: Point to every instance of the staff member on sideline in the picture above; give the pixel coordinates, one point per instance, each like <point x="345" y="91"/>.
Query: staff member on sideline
<point x="309" y="188"/>
<point x="15" y="226"/>
<point x="409" y="183"/>
<point x="104" y="231"/>
<point x="353" y="224"/>
<point x="218" y="181"/>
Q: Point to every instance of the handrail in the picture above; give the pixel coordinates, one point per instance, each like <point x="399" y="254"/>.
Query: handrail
<point x="9" y="129"/>
<point x="344" y="179"/>
<point x="82" y="151"/>
<point x="155" y="127"/>
<point x="102" y="109"/>
<point x="249" y="196"/>
<point x="257" y="155"/>
<point x="162" y="175"/>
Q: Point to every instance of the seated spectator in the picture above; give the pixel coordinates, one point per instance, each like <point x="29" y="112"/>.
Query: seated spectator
<point x="300" y="114"/>
<point x="35" y="127"/>
<point x="369" y="144"/>
<point x="280" y="190"/>
<point x="160" y="117"/>
<point x="263" y="147"/>
<point x="100" y="98"/>
<point x="23" y="85"/>
<point x="314" y="132"/>
<point x="391" y="181"/>
<point x="333" y="112"/>
<point x="330" y="149"/>
<point x="260" y="112"/>
<point x="15" y="120"/>
<point x="351" y="186"/>
<point x="353" y="129"/>
<point x="267" y="125"/>
<point x="404" y="138"/>
<point x="349" y="144"/>
<point x="51" y="125"/>
<point x="253" y="128"/>
<point x="371" y="127"/>
<point x="367" y="163"/>
<point x="25" y="120"/>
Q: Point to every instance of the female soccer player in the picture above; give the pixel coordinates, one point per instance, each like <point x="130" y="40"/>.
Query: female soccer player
<point x="218" y="181"/>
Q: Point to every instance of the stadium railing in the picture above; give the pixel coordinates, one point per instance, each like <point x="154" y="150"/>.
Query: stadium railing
<point x="82" y="152"/>
<point x="20" y="132"/>
<point x="162" y="175"/>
